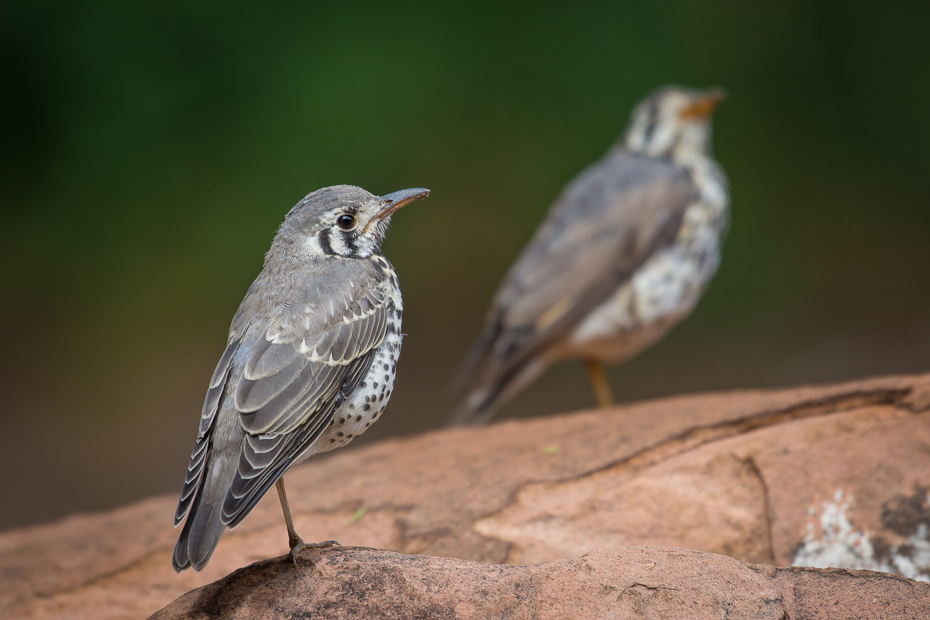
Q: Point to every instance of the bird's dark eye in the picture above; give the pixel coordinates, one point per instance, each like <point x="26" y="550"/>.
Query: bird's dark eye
<point x="345" y="222"/>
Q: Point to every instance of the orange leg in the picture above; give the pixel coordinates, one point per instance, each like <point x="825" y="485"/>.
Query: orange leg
<point x="605" y="397"/>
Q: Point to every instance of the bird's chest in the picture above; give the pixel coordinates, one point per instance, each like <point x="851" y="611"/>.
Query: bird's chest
<point x="670" y="282"/>
<point x="367" y="402"/>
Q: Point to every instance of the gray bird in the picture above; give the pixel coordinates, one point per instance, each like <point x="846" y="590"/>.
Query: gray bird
<point x="309" y="365"/>
<point x="622" y="256"/>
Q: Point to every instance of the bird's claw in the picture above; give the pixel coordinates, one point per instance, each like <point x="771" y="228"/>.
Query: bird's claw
<point x="298" y="545"/>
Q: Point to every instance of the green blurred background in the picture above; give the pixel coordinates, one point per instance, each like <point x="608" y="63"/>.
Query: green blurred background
<point x="150" y="150"/>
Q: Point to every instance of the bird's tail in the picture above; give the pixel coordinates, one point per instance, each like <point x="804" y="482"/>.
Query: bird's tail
<point x="492" y="392"/>
<point x="204" y="526"/>
<point x="477" y="357"/>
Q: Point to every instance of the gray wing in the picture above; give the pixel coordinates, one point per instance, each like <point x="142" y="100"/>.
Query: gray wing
<point x="298" y="371"/>
<point x="607" y="222"/>
<point x="211" y="403"/>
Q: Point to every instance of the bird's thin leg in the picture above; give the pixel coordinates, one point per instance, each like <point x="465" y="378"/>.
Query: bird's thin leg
<point x="296" y="542"/>
<point x="605" y="397"/>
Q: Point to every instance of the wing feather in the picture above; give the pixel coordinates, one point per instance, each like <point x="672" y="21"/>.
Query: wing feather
<point x="211" y="403"/>
<point x="268" y="358"/>
<point x="322" y="382"/>
<point x="254" y="396"/>
<point x="343" y="337"/>
<point x="247" y="491"/>
<point x="259" y="452"/>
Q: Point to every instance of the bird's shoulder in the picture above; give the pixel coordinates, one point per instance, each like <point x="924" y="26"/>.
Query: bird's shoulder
<point x="313" y="296"/>
<point x="621" y="190"/>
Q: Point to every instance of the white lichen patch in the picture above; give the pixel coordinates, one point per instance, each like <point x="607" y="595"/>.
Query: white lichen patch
<point x="840" y="545"/>
<point x="911" y="560"/>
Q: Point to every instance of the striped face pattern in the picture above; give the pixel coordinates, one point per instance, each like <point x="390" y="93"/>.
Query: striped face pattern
<point x="350" y="231"/>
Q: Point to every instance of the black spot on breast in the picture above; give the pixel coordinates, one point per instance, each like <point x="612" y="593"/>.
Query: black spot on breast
<point x="340" y="434"/>
<point x="358" y="418"/>
<point x="332" y="441"/>
<point x="367" y="407"/>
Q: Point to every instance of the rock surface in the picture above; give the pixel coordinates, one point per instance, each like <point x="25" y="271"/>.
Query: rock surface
<point x="834" y="475"/>
<point x="627" y="582"/>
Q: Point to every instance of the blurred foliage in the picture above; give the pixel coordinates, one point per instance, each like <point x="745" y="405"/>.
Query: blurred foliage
<point x="148" y="152"/>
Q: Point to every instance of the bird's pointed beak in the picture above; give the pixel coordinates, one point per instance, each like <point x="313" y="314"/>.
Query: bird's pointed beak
<point x="704" y="106"/>
<point x="393" y="202"/>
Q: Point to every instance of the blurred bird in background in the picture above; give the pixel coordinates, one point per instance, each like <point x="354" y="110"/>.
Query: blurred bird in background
<point x="310" y="363"/>
<point x="623" y="255"/>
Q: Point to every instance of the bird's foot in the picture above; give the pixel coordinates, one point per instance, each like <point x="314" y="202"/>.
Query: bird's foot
<point x="298" y="545"/>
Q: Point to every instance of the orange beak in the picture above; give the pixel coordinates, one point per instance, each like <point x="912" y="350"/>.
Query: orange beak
<point x="704" y="106"/>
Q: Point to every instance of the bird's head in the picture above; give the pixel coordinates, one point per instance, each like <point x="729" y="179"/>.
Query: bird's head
<point x="342" y="220"/>
<point x="673" y="122"/>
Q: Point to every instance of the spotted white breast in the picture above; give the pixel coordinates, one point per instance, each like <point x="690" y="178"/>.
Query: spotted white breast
<point x="366" y="404"/>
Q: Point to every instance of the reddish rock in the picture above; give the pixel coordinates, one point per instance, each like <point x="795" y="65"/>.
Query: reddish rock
<point x="835" y="474"/>
<point x="627" y="582"/>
